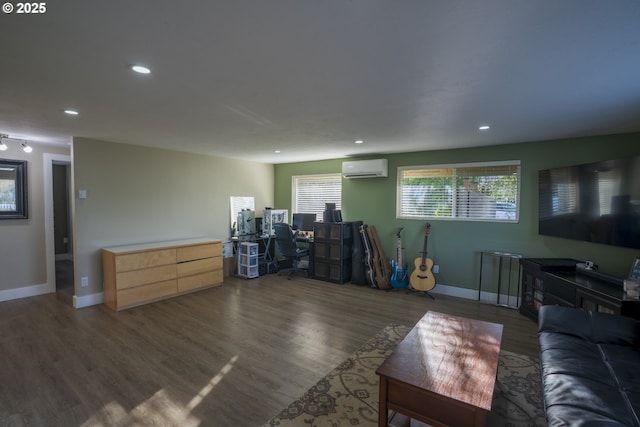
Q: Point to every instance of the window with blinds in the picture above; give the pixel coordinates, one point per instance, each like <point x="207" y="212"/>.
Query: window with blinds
<point x="471" y="191"/>
<point x="312" y="192"/>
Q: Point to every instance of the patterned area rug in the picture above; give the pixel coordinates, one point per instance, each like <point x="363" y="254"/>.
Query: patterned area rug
<point x="348" y="395"/>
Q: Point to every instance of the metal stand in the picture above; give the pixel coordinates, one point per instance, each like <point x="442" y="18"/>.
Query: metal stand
<point x="502" y="256"/>
<point x="427" y="293"/>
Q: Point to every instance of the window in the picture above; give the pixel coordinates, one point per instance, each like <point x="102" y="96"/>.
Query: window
<point x="311" y="192"/>
<point x="472" y="191"/>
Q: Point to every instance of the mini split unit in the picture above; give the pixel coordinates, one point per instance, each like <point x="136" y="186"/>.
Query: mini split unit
<point x="365" y="169"/>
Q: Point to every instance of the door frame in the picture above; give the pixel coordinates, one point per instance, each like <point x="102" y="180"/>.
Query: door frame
<point x="49" y="160"/>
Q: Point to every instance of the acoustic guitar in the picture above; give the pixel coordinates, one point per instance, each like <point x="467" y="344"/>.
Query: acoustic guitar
<point x="422" y="277"/>
<point x="399" y="277"/>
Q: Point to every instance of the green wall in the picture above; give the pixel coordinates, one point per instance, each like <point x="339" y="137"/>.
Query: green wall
<point x="455" y="245"/>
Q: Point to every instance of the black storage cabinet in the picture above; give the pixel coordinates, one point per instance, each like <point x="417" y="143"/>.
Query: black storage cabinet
<point x="333" y="247"/>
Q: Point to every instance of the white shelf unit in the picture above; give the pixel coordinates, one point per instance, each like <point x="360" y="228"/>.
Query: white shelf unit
<point x="248" y="260"/>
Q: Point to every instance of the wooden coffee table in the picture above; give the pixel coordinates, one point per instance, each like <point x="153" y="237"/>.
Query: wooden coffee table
<point x="443" y="372"/>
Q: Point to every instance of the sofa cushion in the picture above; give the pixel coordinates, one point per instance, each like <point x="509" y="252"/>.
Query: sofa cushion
<point x="558" y="416"/>
<point x="613" y="329"/>
<point x="593" y="326"/>
<point x="562" y="354"/>
<point x="564" y="392"/>
<point x="590" y="366"/>
<point x="624" y="362"/>
<point x="565" y="320"/>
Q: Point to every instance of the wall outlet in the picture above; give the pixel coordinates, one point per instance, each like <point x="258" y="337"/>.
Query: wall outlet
<point x="84" y="282"/>
<point x="436" y="269"/>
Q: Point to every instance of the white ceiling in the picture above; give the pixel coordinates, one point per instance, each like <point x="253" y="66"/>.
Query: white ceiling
<point x="242" y="78"/>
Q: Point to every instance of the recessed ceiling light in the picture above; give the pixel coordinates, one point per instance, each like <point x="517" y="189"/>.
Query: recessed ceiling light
<point x="141" y="69"/>
<point x="484" y="127"/>
<point x="359" y="141"/>
<point x="276" y="151"/>
<point x="71" y="112"/>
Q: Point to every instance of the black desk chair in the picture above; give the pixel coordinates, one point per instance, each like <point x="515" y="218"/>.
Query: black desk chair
<point x="287" y="246"/>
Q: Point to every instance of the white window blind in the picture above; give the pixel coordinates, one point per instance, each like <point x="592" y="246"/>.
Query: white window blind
<point x="473" y="191"/>
<point x="312" y="192"/>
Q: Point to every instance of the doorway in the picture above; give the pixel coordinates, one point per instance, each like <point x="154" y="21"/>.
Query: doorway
<point x="60" y="268"/>
<point x="62" y="228"/>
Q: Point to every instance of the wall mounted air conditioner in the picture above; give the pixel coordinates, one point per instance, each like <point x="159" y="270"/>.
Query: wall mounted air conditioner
<point x="365" y="169"/>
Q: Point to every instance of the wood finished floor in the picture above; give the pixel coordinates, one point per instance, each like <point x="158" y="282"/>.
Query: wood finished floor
<point x="234" y="355"/>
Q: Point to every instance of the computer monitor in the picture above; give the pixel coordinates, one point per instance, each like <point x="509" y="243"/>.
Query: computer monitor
<point x="303" y="221"/>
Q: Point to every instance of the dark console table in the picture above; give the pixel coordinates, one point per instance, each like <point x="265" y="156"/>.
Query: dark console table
<point x="556" y="281"/>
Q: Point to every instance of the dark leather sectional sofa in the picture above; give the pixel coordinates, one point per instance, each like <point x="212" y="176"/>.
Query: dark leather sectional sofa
<point x="590" y="366"/>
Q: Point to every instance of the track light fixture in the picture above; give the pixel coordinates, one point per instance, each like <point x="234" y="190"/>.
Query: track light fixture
<point x="26" y="147"/>
<point x="4" y="147"/>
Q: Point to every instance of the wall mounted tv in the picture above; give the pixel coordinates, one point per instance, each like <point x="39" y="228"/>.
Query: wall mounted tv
<point x="594" y="202"/>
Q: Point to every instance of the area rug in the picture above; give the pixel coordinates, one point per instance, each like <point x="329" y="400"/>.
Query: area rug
<point x="348" y="395"/>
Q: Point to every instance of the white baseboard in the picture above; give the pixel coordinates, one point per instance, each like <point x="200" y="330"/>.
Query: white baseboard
<point x="27" y="291"/>
<point x="88" y="300"/>
<point x="486" y="297"/>
<point x="504" y="299"/>
<point x="32" y="291"/>
<point x="455" y="291"/>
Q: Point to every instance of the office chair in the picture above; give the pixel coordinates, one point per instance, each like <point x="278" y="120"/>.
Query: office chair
<point x="287" y="246"/>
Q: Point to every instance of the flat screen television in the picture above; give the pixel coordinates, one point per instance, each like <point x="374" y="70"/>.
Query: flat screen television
<point x="594" y="202"/>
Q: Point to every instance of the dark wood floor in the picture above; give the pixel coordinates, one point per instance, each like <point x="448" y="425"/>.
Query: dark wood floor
<point x="234" y="355"/>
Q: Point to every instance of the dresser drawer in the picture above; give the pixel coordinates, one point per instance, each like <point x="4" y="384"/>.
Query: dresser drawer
<point x="146" y="259"/>
<point x="129" y="279"/>
<point x="146" y="272"/>
<point x="199" y="281"/>
<point x="146" y="293"/>
<point x="199" y="266"/>
<point x="191" y="253"/>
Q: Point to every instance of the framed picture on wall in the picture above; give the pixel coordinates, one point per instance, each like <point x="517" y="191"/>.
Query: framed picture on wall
<point x="13" y="189"/>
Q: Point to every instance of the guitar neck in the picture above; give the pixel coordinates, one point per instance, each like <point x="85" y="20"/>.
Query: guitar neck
<point x="424" y="250"/>
<point x="424" y="247"/>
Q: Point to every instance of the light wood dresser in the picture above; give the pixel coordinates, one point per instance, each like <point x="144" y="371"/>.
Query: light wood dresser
<point x="143" y="273"/>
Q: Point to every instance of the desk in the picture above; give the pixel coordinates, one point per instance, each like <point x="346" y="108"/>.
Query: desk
<point x="443" y="372"/>
<point x="266" y="246"/>
<point x="308" y="242"/>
